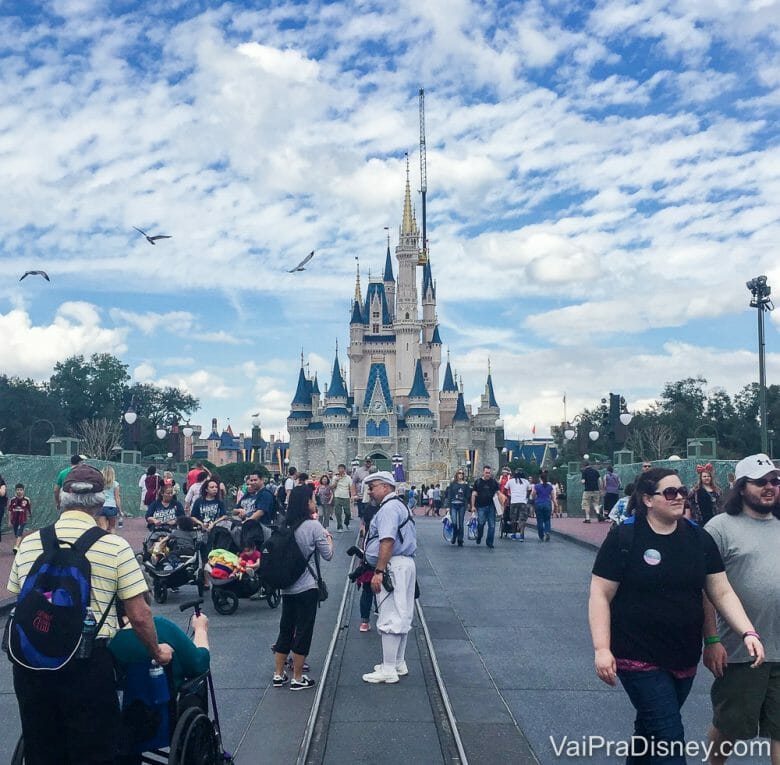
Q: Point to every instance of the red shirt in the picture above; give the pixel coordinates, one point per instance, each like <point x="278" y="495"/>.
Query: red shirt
<point x="20" y="509"/>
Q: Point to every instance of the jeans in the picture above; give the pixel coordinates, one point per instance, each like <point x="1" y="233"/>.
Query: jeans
<point x="366" y="601"/>
<point x="543" y="523"/>
<point x="486" y="514"/>
<point x="458" y="516"/>
<point x="657" y="697"/>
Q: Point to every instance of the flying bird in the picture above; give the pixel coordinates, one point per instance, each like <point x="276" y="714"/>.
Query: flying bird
<point x="256" y="414"/>
<point x="35" y="273"/>
<point x="152" y="239"/>
<point x="302" y="264"/>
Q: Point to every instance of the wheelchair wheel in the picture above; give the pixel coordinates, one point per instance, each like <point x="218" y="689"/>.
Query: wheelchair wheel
<point x="194" y="740"/>
<point x="274" y="598"/>
<point x="18" y="755"/>
<point x="160" y="593"/>
<point x="225" y="603"/>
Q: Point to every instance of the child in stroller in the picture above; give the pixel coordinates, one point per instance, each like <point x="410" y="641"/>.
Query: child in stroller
<point x="234" y="576"/>
<point x="174" y="560"/>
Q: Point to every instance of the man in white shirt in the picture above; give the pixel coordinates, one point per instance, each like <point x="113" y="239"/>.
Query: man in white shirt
<point x="519" y="488"/>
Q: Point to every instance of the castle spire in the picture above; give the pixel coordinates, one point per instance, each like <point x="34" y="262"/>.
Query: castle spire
<point x="336" y="388"/>
<point x="407" y="223"/>
<point x="358" y="291"/>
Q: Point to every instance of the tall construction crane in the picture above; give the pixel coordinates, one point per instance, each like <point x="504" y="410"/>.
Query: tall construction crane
<point x="423" y="259"/>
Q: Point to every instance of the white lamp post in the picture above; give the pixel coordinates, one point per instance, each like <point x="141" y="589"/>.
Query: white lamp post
<point x="593" y="435"/>
<point x="161" y="432"/>
<point x="130" y="415"/>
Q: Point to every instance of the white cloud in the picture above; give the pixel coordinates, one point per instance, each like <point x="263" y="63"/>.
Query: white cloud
<point x="32" y="350"/>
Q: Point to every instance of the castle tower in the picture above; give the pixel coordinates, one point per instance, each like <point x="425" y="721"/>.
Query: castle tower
<point x="419" y="423"/>
<point x="389" y="280"/>
<point x="484" y="430"/>
<point x="461" y="425"/>
<point x="406" y="324"/>
<point x="298" y="422"/>
<point x="315" y="395"/>
<point x="448" y="398"/>
<point x="430" y="347"/>
<point x="357" y="328"/>
<point x="335" y="419"/>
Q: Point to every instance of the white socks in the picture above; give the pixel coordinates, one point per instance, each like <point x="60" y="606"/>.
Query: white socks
<point x="391" y="645"/>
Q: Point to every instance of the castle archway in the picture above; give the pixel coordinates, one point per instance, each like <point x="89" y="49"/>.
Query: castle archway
<point x="382" y="461"/>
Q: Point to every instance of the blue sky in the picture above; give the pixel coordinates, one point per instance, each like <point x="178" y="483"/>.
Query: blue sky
<point x="602" y="180"/>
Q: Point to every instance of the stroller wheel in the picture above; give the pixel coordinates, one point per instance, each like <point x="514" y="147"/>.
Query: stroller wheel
<point x="274" y="598"/>
<point x="225" y="603"/>
<point x="160" y="593"/>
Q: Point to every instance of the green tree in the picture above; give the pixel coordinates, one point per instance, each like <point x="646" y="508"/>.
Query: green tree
<point x="89" y="390"/>
<point x="23" y="404"/>
<point x="160" y="406"/>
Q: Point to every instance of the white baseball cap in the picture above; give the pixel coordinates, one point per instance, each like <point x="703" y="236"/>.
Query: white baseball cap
<point x="753" y="467"/>
<point x="383" y="476"/>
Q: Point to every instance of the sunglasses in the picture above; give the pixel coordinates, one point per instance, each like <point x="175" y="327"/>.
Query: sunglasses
<point x="761" y="482"/>
<point x="670" y="492"/>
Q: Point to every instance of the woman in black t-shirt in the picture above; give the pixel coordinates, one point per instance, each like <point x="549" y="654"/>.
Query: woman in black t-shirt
<point x="645" y="609"/>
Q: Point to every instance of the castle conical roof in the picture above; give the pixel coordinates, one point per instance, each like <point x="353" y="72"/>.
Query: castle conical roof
<point x="388" y="277"/>
<point x="357" y="314"/>
<point x="461" y="415"/>
<point x="418" y="386"/>
<point x="489" y="390"/>
<point x="303" y="391"/>
<point x="336" y="388"/>
<point x="449" y="381"/>
<point x="436" y="339"/>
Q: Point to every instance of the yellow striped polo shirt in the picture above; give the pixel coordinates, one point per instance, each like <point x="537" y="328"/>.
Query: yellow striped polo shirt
<point x="114" y="567"/>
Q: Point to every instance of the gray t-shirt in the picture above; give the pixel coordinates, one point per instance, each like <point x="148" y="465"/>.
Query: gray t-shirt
<point x="309" y="535"/>
<point x="385" y="525"/>
<point x="749" y="548"/>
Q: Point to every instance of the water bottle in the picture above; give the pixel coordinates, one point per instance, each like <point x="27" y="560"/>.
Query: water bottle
<point x="121" y="522"/>
<point x="7" y="629"/>
<point x="159" y="697"/>
<point x="88" y="630"/>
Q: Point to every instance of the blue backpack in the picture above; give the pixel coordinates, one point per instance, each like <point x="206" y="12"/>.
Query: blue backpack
<point x="45" y="629"/>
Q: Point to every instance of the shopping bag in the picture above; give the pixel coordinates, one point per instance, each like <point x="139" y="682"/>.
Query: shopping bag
<point x="471" y="529"/>
<point x="447" y="529"/>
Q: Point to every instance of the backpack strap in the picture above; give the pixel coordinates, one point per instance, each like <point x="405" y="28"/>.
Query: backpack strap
<point x="49" y="540"/>
<point x="625" y="542"/>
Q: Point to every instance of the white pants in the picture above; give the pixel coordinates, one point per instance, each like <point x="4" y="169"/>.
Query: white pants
<point x="396" y="608"/>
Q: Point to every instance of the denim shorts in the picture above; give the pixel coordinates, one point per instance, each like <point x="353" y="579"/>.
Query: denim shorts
<point x="109" y="512"/>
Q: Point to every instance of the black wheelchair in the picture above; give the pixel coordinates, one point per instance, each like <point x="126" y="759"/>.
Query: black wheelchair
<point x="195" y="738"/>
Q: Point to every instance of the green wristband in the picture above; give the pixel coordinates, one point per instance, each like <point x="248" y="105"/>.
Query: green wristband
<point x="712" y="640"/>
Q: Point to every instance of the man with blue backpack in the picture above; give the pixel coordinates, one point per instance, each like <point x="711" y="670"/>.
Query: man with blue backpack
<point x="68" y="578"/>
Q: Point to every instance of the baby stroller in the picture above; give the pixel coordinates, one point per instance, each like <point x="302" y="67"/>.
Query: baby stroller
<point x="507" y="527"/>
<point x="154" y="536"/>
<point x="181" y="565"/>
<point x="228" y="583"/>
<point x="192" y="737"/>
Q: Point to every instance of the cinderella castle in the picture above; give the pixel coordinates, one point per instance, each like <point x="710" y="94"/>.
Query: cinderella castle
<point x="394" y="407"/>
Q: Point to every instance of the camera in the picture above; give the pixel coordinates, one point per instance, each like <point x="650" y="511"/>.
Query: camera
<point x="361" y="569"/>
<point x="355" y="550"/>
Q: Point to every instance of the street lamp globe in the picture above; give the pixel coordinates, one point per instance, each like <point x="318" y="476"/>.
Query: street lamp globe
<point x="161" y="432"/>
<point x="626" y="418"/>
<point x="187" y="431"/>
<point x="593" y="435"/>
<point x="569" y="433"/>
<point x="169" y="455"/>
<point x="130" y="416"/>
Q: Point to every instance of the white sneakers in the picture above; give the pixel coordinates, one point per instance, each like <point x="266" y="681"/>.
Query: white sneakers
<point x="380" y="676"/>
<point x="401" y="669"/>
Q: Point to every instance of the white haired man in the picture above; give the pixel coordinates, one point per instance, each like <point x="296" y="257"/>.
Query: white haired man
<point x="390" y="546"/>
<point x="72" y="714"/>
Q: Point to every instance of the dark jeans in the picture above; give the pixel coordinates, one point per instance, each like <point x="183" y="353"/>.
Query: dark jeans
<point x="366" y="601"/>
<point x="610" y="500"/>
<point x="296" y="626"/>
<point x="486" y="514"/>
<point x="543" y="523"/>
<point x="70" y="717"/>
<point x="657" y="697"/>
<point x="458" y="517"/>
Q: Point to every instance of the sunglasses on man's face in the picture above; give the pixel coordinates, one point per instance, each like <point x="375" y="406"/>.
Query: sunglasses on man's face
<point x="761" y="482"/>
<point x="670" y="492"/>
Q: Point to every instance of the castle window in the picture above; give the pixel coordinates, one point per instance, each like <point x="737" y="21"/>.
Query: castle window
<point x="377" y="430"/>
<point x="376" y="329"/>
<point x="407" y="316"/>
<point x="376" y="314"/>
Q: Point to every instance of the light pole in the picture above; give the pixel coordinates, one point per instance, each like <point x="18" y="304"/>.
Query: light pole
<point x="760" y="300"/>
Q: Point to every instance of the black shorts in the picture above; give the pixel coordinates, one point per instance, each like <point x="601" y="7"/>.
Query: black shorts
<point x="296" y="626"/>
<point x="71" y="715"/>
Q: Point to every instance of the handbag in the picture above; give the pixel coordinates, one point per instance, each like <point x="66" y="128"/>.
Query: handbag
<point x="322" y="587"/>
